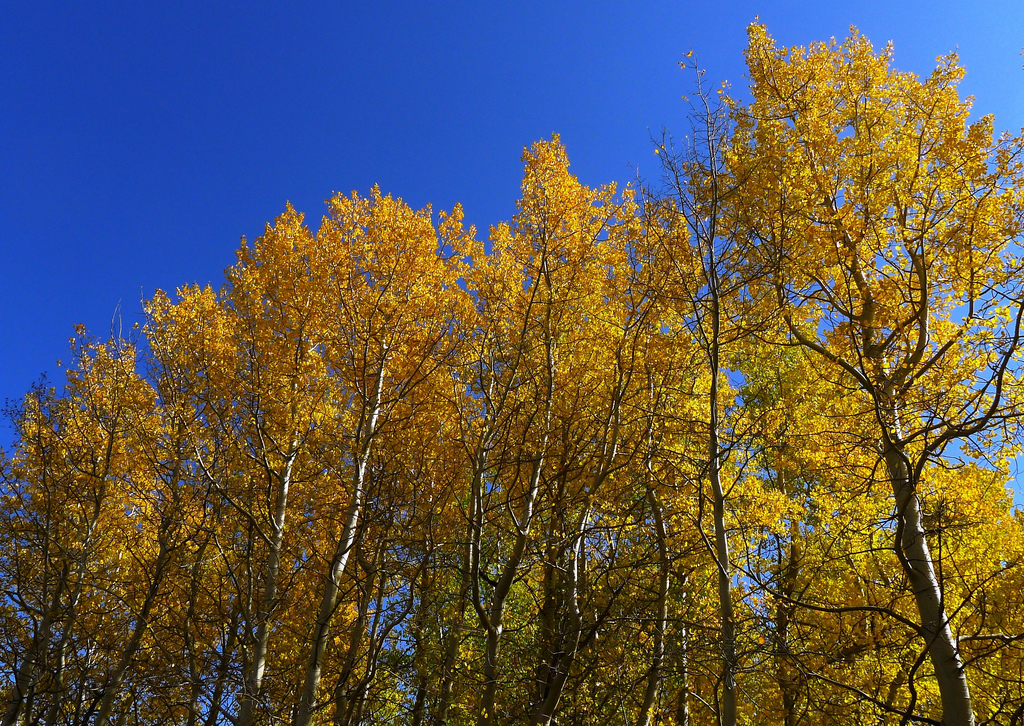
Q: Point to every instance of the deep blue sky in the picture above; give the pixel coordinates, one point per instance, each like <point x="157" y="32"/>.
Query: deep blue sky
<point x="139" y="141"/>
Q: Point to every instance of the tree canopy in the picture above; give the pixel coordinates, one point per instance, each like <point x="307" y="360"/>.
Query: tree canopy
<point x="731" y="446"/>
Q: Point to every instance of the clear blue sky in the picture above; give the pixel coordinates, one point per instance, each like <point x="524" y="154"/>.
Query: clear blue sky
<point x="139" y="141"/>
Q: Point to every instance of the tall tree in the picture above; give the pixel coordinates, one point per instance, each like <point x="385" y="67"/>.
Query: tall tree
<point x="391" y="303"/>
<point x="703" y="289"/>
<point x="883" y="223"/>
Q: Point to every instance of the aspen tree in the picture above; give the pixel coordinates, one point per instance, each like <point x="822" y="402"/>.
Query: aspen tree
<point x="882" y="221"/>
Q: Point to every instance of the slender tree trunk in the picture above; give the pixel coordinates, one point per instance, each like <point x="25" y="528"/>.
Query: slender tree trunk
<point x="29" y="669"/>
<point x="683" y="695"/>
<point x="223" y="668"/>
<point x="493" y="619"/>
<point x="113" y="689"/>
<point x="254" y="678"/>
<point x="561" y="663"/>
<point x="785" y="673"/>
<point x="728" y="698"/>
<point x="544" y="713"/>
<point x="916" y="559"/>
<point x="567" y="646"/>
<point x="348" y="690"/>
<point x="549" y="638"/>
<point x="419" y="706"/>
<point x="60" y="658"/>
<point x="60" y="663"/>
<point x="722" y="560"/>
<point x="341" y="698"/>
<point x="451" y="651"/>
<point x="683" y="703"/>
<point x="194" y="669"/>
<point x="329" y="600"/>
<point x="579" y="636"/>
<point x="654" y="675"/>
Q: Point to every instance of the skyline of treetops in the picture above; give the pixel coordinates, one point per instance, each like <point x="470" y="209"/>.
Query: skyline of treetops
<point x="730" y="445"/>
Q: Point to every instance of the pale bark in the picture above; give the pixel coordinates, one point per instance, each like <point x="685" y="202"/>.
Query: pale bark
<point x="916" y="560"/>
<point x="701" y="208"/>
<point x="728" y="618"/>
<point x="329" y="600"/>
<point x="561" y="664"/>
<point x="568" y="646"/>
<point x="419" y="706"/>
<point x="344" y="690"/>
<point x="451" y="651"/>
<point x="254" y="678"/>
<point x="29" y="670"/>
<point x="654" y="674"/>
<point x="492" y="619"/>
<point x="683" y="667"/>
<point x="332" y="586"/>
<point x="723" y="564"/>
